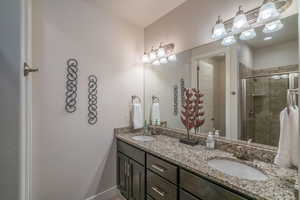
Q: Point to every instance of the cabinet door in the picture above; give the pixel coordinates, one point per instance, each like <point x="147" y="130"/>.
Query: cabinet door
<point x="122" y="174"/>
<point x="136" y="181"/>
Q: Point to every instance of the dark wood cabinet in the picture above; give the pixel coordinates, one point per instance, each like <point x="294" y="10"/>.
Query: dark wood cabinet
<point x="163" y="180"/>
<point x="130" y="178"/>
<point x="136" y="181"/>
<point x="122" y="178"/>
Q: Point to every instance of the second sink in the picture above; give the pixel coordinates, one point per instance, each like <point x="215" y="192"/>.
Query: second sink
<point x="237" y="169"/>
<point x="143" y="138"/>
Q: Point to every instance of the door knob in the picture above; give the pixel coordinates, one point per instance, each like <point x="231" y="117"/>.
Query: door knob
<point x="28" y="69"/>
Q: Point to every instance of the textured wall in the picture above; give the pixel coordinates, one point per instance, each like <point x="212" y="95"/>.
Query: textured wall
<point x="71" y="159"/>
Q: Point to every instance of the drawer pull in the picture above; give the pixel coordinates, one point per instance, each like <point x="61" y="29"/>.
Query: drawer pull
<point x="158" y="191"/>
<point x="158" y="168"/>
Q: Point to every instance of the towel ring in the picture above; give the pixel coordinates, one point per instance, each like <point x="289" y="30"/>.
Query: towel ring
<point x="134" y="97"/>
<point x="155" y="99"/>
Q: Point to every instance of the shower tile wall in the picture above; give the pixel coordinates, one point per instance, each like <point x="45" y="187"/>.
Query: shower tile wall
<point x="265" y="99"/>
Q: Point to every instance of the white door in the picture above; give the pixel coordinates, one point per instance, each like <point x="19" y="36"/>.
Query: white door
<point x="15" y="98"/>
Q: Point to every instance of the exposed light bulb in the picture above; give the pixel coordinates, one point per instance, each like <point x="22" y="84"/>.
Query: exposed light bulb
<point x="172" y="58"/>
<point x="273" y="26"/>
<point x="145" y="58"/>
<point x="229" y="40"/>
<point x="248" y="35"/>
<point x="268" y="12"/>
<point x="240" y="21"/>
<point x="284" y="76"/>
<point x="219" y="30"/>
<point x="156" y="63"/>
<point x="161" y="51"/>
<point x="163" y="60"/>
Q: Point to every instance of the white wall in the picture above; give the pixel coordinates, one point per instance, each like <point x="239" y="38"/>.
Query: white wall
<point x="71" y="159"/>
<point x="10" y="90"/>
<point x="277" y="55"/>
<point x="190" y="24"/>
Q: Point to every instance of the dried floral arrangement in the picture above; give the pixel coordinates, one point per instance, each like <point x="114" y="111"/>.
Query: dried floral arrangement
<point x="192" y="113"/>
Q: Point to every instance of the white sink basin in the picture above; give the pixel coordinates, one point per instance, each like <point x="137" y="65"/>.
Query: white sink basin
<point x="237" y="169"/>
<point x="143" y="138"/>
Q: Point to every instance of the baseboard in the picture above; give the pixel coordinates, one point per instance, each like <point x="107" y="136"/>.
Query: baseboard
<point x="106" y="195"/>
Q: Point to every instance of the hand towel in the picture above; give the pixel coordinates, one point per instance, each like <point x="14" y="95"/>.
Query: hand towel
<point x="155" y="114"/>
<point x="283" y="157"/>
<point x="294" y="131"/>
<point x="137" y="116"/>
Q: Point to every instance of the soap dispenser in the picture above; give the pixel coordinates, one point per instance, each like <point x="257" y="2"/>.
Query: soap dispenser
<point x="210" y="141"/>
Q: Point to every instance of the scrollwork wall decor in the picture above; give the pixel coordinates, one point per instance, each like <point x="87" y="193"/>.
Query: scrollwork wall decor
<point x="92" y="100"/>
<point x="175" y="104"/>
<point x="71" y="85"/>
<point x="182" y="87"/>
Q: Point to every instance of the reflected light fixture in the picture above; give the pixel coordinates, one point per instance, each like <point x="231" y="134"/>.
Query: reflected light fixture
<point x="156" y="63"/>
<point x="172" y="58"/>
<point x="152" y="55"/>
<point x="273" y="26"/>
<point x="240" y="21"/>
<point x="219" y="30"/>
<point x="248" y="35"/>
<point x="163" y="60"/>
<point x="268" y="12"/>
<point x="229" y="40"/>
<point x="145" y="58"/>
<point x="161" y="52"/>
<point x="268" y="38"/>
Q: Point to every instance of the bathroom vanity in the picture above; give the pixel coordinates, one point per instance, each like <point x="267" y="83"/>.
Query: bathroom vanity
<point x="164" y="169"/>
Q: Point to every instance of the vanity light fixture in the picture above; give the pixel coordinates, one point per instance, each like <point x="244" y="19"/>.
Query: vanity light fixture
<point x="248" y="35"/>
<point x="229" y="40"/>
<point x="162" y="55"/>
<point x="145" y="58"/>
<point x="163" y="60"/>
<point x="156" y="63"/>
<point x="268" y="12"/>
<point x="273" y="26"/>
<point x="245" y="23"/>
<point x="161" y="52"/>
<point x="172" y="58"/>
<point x="152" y="55"/>
<point x="219" y="30"/>
<point x="240" y="21"/>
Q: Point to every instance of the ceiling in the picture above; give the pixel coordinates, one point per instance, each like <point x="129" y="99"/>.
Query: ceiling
<point x="140" y="12"/>
<point x="288" y="33"/>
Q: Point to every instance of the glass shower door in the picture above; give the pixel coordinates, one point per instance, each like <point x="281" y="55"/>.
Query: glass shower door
<point x="263" y="98"/>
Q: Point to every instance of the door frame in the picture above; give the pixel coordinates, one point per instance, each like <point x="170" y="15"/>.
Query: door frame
<point x="231" y="110"/>
<point x="26" y="102"/>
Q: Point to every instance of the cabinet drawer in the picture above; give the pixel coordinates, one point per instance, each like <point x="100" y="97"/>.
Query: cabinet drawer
<point x="132" y="152"/>
<point x="162" y="168"/>
<point x="186" y="196"/>
<point x="205" y="189"/>
<point x="160" y="189"/>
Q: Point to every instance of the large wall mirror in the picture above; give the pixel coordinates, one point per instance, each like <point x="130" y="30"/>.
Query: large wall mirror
<point x="245" y="85"/>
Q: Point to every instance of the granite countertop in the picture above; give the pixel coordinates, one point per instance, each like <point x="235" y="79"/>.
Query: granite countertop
<point x="279" y="186"/>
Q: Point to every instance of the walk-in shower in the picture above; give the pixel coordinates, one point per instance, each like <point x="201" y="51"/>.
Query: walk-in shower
<point x="263" y="97"/>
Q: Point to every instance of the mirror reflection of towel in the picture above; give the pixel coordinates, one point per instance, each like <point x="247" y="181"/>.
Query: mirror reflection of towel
<point x="137" y="116"/>
<point x="155" y="114"/>
<point x="287" y="154"/>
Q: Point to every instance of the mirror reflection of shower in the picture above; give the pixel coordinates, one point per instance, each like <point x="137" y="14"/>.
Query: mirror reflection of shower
<point x="263" y="97"/>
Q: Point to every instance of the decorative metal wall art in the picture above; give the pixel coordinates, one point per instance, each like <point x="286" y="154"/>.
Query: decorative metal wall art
<point x="92" y="98"/>
<point x="175" y="105"/>
<point x="182" y="86"/>
<point x="71" y="85"/>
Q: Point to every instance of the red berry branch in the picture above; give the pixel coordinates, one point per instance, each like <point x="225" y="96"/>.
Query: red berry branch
<point x="192" y="114"/>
